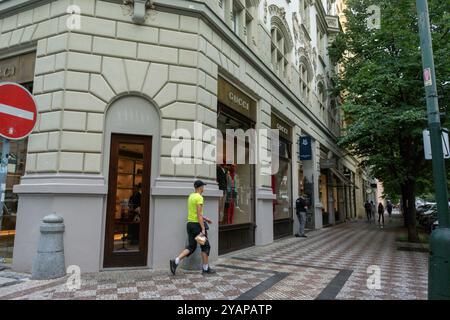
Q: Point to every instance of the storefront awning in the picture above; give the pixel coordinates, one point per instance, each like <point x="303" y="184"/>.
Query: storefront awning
<point x="341" y="176"/>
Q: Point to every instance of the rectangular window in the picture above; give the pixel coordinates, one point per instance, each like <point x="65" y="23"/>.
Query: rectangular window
<point x="234" y="22"/>
<point x="319" y="42"/>
<point x="323" y="191"/>
<point x="304" y="14"/>
<point x="248" y="32"/>
<point x="234" y="179"/>
<point x="8" y="212"/>
<point x="282" y="184"/>
<point x="16" y="169"/>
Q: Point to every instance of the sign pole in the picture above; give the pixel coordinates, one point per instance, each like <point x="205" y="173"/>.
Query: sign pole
<point x="3" y="174"/>
<point x="439" y="260"/>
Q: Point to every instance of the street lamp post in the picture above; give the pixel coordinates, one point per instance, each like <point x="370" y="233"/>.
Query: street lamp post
<point x="439" y="260"/>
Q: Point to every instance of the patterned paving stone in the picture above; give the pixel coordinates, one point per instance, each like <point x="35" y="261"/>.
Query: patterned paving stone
<point x="291" y="269"/>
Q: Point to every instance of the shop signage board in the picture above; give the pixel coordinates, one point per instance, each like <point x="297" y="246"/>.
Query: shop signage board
<point x="427" y="144"/>
<point x="305" y="148"/>
<point x="236" y="99"/>
<point x="18" y="69"/>
<point x="284" y="129"/>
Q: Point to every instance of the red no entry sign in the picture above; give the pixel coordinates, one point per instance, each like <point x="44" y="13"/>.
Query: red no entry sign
<point x="18" y="112"/>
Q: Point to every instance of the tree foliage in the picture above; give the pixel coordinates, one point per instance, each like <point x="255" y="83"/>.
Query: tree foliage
<point x="382" y="89"/>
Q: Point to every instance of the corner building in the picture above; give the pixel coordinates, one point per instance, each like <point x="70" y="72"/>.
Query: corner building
<point x="113" y="81"/>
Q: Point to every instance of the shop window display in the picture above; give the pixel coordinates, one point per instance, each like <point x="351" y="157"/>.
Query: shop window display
<point x="281" y="183"/>
<point x="234" y="179"/>
<point x="323" y="192"/>
<point x="128" y="197"/>
<point x="16" y="169"/>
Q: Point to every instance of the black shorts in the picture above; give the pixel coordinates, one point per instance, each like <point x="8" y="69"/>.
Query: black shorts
<point x="193" y="229"/>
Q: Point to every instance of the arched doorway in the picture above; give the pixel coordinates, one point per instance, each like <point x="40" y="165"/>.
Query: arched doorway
<point x="131" y="153"/>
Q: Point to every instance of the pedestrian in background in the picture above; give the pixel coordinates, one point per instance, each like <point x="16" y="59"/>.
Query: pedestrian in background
<point x="368" y="208"/>
<point x="300" y="209"/>
<point x="389" y="207"/>
<point x="374" y="209"/>
<point x="381" y="214"/>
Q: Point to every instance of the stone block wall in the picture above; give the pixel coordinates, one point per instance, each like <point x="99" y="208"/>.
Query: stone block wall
<point x="173" y="60"/>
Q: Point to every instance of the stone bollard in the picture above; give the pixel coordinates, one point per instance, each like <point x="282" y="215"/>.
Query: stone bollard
<point x="194" y="261"/>
<point x="49" y="262"/>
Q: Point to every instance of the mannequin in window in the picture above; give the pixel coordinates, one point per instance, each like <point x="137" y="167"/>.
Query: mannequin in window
<point x="231" y="193"/>
<point x="221" y="176"/>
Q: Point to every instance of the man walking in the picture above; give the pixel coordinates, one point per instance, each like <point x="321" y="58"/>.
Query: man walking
<point x="300" y="209"/>
<point x="389" y="207"/>
<point x="381" y="214"/>
<point x="368" y="208"/>
<point x="195" y="226"/>
<point x="374" y="209"/>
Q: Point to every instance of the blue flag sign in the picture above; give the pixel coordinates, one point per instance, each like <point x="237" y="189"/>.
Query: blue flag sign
<point x="305" y="148"/>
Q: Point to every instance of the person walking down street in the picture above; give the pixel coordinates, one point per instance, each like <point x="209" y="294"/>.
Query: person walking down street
<point x="368" y="208"/>
<point x="381" y="214"/>
<point x="389" y="207"/>
<point x="374" y="210"/>
<point x="195" y="226"/>
<point x="300" y="209"/>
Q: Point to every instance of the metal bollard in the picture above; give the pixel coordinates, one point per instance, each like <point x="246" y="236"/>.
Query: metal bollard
<point x="49" y="262"/>
<point x="194" y="261"/>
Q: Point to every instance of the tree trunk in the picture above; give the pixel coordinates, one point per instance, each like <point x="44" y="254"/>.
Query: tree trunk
<point x="405" y="222"/>
<point x="409" y="155"/>
<point x="409" y="196"/>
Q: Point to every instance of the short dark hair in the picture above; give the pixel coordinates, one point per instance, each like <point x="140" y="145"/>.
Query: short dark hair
<point x="198" y="184"/>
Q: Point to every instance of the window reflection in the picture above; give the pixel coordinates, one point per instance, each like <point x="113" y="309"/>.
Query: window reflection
<point x="128" y="197"/>
<point x="235" y="180"/>
<point x="16" y="169"/>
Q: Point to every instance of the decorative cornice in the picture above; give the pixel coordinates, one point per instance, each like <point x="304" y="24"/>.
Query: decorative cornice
<point x="333" y="25"/>
<point x="9" y="7"/>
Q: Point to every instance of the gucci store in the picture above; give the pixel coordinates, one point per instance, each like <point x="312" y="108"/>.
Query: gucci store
<point x="112" y="101"/>
<point x="282" y="180"/>
<point x="236" y="179"/>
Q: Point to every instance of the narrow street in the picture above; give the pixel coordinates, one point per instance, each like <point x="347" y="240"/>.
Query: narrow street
<point x="331" y="263"/>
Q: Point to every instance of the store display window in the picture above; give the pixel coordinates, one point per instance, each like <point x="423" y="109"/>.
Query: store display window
<point x="236" y="180"/>
<point x="281" y="183"/>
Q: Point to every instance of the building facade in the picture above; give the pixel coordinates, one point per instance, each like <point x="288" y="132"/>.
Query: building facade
<point x="113" y="81"/>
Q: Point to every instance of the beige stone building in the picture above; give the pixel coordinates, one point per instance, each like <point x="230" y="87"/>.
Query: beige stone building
<point x="113" y="80"/>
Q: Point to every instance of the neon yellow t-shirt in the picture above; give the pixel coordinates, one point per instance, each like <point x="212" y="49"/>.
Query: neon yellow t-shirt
<point x="194" y="200"/>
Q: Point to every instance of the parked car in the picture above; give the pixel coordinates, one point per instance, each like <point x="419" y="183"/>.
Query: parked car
<point x="428" y="218"/>
<point x="425" y="206"/>
<point x="424" y="210"/>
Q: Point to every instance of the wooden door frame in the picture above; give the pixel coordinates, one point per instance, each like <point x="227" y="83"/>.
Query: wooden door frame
<point x="127" y="259"/>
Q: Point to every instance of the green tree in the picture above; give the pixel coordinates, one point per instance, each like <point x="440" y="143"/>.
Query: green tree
<point x="383" y="95"/>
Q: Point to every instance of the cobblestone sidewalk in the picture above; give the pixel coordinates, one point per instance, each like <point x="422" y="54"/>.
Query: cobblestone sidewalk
<point x="331" y="263"/>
